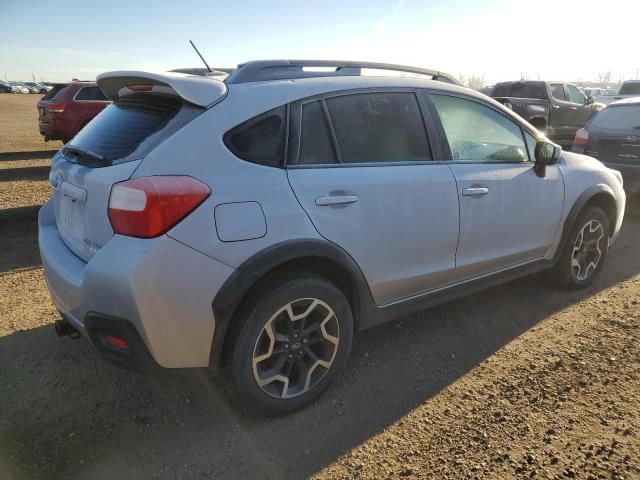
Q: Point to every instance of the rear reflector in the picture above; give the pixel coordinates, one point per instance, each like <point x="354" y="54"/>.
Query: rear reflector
<point x="55" y="107"/>
<point x="116" y="342"/>
<point x="582" y="137"/>
<point x="146" y="207"/>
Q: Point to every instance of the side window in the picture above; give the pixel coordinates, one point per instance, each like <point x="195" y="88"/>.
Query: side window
<point x="478" y="133"/>
<point x="90" y="93"/>
<point x="260" y="139"/>
<point x="557" y="91"/>
<point x="316" y="144"/>
<point x="575" y="95"/>
<point x="379" y="127"/>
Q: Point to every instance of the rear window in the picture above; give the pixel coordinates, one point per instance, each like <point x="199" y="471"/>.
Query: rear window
<point x="90" y="93"/>
<point x="55" y="93"/>
<point x="625" y="117"/>
<point x="261" y="139"/>
<point x="520" y="90"/>
<point x="630" y="88"/>
<point x="128" y="129"/>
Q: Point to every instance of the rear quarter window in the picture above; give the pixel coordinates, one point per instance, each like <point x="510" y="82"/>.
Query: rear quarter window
<point x="56" y="93"/>
<point x="261" y="139"/>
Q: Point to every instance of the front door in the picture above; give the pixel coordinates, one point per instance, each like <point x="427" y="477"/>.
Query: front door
<point x="508" y="215"/>
<point x="364" y="175"/>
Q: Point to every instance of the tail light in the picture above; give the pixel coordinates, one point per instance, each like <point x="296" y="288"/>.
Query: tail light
<point x="55" y="107"/>
<point x="582" y="137"/>
<point x="146" y="207"/>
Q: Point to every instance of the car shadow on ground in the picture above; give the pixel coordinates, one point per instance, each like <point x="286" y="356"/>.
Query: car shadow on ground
<point x="68" y="414"/>
<point x="32" y="155"/>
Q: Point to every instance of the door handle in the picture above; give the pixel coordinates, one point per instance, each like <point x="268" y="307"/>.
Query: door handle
<point x="336" y="200"/>
<point x="474" y="191"/>
<point x="556" y="107"/>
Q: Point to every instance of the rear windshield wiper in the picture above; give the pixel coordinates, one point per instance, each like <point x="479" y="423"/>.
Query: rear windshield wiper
<point x="84" y="153"/>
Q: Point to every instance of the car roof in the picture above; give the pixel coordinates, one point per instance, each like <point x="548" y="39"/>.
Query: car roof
<point x="626" y="101"/>
<point x="631" y="81"/>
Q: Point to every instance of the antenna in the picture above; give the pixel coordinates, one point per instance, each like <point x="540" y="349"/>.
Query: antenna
<point x="201" y="57"/>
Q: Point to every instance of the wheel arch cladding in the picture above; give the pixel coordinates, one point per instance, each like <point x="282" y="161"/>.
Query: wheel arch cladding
<point x="309" y="255"/>
<point x="600" y="196"/>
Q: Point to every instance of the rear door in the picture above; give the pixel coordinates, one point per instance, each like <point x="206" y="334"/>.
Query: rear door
<point x="508" y="215"/>
<point x="362" y="169"/>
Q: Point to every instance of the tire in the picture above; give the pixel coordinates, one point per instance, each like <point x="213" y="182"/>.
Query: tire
<point x="308" y="360"/>
<point x="594" y="224"/>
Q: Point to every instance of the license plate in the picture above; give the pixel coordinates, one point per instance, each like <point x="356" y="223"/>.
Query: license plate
<point x="70" y="221"/>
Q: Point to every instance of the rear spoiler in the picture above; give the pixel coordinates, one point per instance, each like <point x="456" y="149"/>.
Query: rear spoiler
<point x="201" y="91"/>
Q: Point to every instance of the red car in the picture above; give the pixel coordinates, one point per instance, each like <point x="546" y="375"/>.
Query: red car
<point x="69" y="107"/>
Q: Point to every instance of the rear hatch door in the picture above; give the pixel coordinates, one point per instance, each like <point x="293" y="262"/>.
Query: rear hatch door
<point x="614" y="136"/>
<point x="107" y="151"/>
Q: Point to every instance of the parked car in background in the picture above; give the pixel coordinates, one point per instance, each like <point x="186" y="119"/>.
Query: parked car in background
<point x="5" y="87"/>
<point x="487" y="90"/>
<point x="67" y="108"/>
<point x="18" y="87"/>
<point x="613" y="137"/>
<point x="198" y="223"/>
<point x="555" y="108"/>
<point x="629" y="89"/>
<point x="38" y="87"/>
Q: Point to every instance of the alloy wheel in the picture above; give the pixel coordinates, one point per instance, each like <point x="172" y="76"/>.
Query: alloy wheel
<point x="296" y="348"/>
<point x="587" y="250"/>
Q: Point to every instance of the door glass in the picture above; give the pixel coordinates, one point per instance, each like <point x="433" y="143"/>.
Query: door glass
<point x="557" y="91"/>
<point x="379" y="127"/>
<point x="575" y="95"/>
<point x="316" y="145"/>
<point x="479" y="133"/>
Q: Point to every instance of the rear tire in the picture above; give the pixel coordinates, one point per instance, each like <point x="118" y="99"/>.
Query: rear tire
<point x="585" y="251"/>
<point x="293" y="339"/>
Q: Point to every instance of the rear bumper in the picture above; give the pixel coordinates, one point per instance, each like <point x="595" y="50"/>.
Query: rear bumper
<point x="161" y="287"/>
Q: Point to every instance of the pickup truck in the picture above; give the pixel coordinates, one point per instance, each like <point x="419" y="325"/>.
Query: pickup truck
<point x="557" y="109"/>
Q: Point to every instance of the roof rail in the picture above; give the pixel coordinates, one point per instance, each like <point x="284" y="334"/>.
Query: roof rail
<point x="262" y="70"/>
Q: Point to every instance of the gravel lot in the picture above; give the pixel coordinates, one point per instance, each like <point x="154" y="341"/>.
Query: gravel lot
<point x="521" y="381"/>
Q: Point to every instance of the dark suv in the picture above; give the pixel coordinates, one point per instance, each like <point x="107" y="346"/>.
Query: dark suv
<point x="67" y="108"/>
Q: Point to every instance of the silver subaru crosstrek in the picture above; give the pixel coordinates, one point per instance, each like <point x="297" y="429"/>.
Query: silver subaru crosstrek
<point x="256" y="220"/>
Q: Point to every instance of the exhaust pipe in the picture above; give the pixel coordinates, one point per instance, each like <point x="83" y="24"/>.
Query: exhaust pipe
<point x="64" y="328"/>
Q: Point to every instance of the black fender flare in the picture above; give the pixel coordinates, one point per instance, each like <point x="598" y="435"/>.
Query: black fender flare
<point x="577" y="207"/>
<point x="228" y="298"/>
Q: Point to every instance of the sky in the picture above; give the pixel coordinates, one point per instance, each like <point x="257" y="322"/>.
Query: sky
<point x="571" y="40"/>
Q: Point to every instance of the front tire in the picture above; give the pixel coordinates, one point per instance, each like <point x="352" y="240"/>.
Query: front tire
<point x="294" y="339"/>
<point x="585" y="251"/>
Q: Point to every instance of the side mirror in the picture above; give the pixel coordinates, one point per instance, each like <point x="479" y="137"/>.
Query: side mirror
<point x="546" y="153"/>
<point x="590" y="100"/>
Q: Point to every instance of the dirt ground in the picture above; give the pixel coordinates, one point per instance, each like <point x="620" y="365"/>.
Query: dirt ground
<point x="520" y="381"/>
